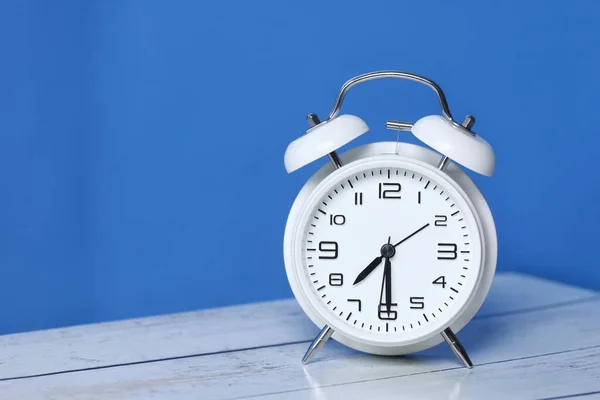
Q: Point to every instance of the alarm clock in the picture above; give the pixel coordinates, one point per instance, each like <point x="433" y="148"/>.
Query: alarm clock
<point x="390" y="248"/>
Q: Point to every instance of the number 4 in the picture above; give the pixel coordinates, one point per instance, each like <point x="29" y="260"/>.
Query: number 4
<point x="440" y="281"/>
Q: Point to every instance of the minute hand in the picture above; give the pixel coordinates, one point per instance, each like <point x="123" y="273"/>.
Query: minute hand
<point x="412" y="234"/>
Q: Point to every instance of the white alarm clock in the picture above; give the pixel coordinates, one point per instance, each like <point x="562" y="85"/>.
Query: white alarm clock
<point x="391" y="248"/>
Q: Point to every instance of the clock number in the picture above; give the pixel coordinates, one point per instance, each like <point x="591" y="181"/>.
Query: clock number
<point x="419" y="197"/>
<point x="440" y="281"/>
<point x="441" y="220"/>
<point x="385" y="312"/>
<point x="447" y="254"/>
<point x="336" y="279"/>
<point x="359" y="303"/>
<point x="337" y="219"/>
<point x="358" y="198"/>
<point x="417" y="303"/>
<point x="328" y="247"/>
<point x="389" y="193"/>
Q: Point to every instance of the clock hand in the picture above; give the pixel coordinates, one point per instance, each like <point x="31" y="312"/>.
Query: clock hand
<point x="381" y="293"/>
<point x="412" y="234"/>
<point x="388" y="284"/>
<point x="387" y="251"/>
<point x="365" y="272"/>
<point x="386" y="288"/>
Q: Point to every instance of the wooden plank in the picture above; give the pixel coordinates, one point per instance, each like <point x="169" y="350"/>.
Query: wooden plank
<point x="567" y="374"/>
<point x="202" y="332"/>
<point x="560" y="339"/>
<point x="218" y="330"/>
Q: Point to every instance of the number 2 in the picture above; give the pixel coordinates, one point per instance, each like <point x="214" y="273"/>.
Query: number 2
<point x="441" y="220"/>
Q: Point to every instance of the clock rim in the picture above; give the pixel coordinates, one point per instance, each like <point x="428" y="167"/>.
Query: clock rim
<point x="385" y="161"/>
<point x="456" y="177"/>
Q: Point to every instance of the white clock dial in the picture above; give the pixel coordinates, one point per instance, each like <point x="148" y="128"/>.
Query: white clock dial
<point x="388" y="251"/>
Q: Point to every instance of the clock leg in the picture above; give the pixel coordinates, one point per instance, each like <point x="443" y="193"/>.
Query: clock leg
<point x="316" y="344"/>
<point x="456" y="347"/>
<point x="313" y="121"/>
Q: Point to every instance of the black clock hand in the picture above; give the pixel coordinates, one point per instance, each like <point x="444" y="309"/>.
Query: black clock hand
<point x="411" y="235"/>
<point x="382" y="292"/>
<point x="386" y="289"/>
<point x="388" y="284"/>
<point x="365" y="272"/>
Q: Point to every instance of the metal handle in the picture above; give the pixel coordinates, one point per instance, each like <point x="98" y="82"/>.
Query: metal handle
<point x="390" y="74"/>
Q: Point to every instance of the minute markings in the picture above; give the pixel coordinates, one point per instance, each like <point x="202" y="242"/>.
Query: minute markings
<point x="365" y="197"/>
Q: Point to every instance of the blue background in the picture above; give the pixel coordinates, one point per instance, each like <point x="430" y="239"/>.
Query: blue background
<point x="141" y="143"/>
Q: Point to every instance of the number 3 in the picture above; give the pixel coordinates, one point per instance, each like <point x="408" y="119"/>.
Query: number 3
<point x="446" y="254"/>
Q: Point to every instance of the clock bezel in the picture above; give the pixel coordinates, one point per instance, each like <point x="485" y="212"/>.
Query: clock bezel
<point x="455" y="177"/>
<point x="436" y="324"/>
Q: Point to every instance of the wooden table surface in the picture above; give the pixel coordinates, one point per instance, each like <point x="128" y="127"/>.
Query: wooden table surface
<point x="532" y="339"/>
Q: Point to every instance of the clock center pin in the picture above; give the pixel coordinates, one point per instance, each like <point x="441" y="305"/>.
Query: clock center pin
<point x="388" y="250"/>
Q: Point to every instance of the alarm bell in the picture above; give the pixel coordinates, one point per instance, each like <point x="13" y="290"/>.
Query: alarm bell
<point x="322" y="139"/>
<point x="456" y="142"/>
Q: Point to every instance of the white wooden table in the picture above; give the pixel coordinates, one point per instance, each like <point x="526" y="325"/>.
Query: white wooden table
<point x="533" y="339"/>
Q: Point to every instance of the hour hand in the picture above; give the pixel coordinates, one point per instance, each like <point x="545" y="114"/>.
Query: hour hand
<point x="370" y="268"/>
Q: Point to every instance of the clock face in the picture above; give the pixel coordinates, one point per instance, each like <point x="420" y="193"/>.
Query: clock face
<point x="388" y="251"/>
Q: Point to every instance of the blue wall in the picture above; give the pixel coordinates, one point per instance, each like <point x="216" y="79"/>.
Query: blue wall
<point x="140" y="140"/>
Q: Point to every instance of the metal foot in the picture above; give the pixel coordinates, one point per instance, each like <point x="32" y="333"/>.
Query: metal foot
<point x="456" y="347"/>
<point x="316" y="344"/>
<point x="313" y="121"/>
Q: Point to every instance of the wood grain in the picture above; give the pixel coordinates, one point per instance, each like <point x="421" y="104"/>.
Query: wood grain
<point x="217" y="330"/>
<point x="553" y="375"/>
<point x="530" y="330"/>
